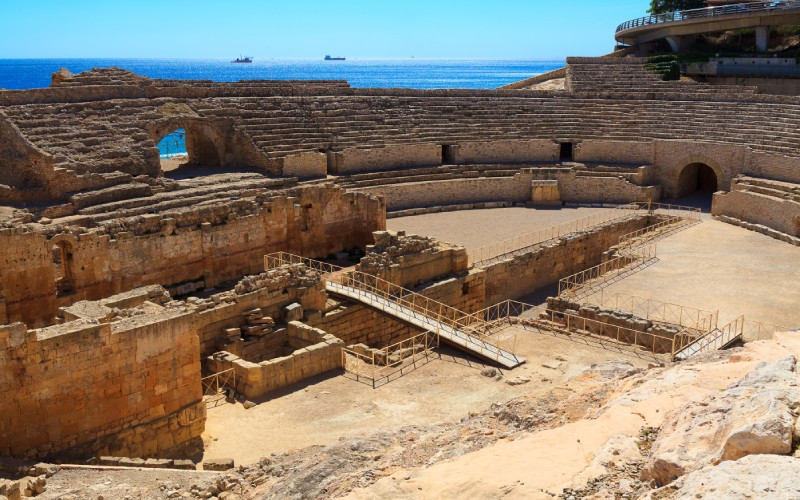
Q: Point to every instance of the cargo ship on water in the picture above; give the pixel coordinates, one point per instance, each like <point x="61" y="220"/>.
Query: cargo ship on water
<point x="245" y="59"/>
<point x="329" y="58"/>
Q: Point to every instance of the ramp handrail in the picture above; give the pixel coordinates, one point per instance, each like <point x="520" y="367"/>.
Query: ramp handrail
<point x="725" y="10"/>
<point x="571" y="285"/>
<point x="651" y="309"/>
<point x="498" y="250"/>
<point x="438" y="314"/>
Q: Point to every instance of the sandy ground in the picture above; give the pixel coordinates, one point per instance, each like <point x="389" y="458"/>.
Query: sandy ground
<point x="714" y="265"/>
<point x="476" y="228"/>
<point x="711" y="265"/>
<point x="329" y="409"/>
<point x="123" y="483"/>
<point x="169" y="164"/>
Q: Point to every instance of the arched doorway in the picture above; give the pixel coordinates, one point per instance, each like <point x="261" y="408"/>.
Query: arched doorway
<point x="187" y="146"/>
<point x="697" y="183"/>
<point x="697" y="177"/>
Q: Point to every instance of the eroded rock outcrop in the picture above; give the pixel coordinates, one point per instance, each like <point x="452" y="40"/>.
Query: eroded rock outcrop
<point x="754" y="476"/>
<point x="755" y="415"/>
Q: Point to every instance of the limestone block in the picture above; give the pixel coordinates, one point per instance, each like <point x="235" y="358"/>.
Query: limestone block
<point x="293" y="312"/>
<point x="184" y="464"/>
<point x="218" y="464"/>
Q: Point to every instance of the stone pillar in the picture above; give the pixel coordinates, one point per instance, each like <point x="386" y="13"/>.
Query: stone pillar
<point x="762" y="38"/>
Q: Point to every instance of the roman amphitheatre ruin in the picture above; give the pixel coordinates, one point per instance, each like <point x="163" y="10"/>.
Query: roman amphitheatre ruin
<point x="582" y="284"/>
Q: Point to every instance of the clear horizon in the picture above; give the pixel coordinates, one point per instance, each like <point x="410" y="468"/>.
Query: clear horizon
<point x="356" y="29"/>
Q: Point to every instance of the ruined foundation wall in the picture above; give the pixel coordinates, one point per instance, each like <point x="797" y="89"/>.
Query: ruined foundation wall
<point x="516" y="277"/>
<point x="451" y="192"/>
<point x="316" y="352"/>
<point x="173" y="252"/>
<point x="131" y="388"/>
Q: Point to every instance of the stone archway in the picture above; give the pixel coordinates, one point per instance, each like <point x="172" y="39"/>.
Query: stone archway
<point x="697" y="177"/>
<point x="206" y="145"/>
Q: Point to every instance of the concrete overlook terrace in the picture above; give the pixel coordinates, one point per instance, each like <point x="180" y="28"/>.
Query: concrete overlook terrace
<point x="674" y="25"/>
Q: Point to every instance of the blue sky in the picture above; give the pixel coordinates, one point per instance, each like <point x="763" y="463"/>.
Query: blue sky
<point x="308" y="29"/>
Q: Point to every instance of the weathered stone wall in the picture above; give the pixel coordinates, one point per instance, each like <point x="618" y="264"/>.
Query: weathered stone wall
<point x="636" y="153"/>
<point x="516" y="277"/>
<point x="358" y="324"/>
<point x="272" y="291"/>
<point x="305" y="166"/>
<point x="780" y="214"/>
<point x="353" y="160"/>
<point x="22" y="165"/>
<point x="507" y="151"/>
<point x="407" y="260"/>
<point x="127" y="388"/>
<point x="585" y="189"/>
<point x="171" y="251"/>
<point x="316" y="352"/>
<point x="450" y="192"/>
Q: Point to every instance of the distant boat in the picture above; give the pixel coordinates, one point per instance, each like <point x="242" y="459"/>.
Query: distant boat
<point x="245" y="59"/>
<point x="329" y="58"/>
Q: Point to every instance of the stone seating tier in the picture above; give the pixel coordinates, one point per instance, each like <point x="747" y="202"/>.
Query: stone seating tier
<point x="110" y="135"/>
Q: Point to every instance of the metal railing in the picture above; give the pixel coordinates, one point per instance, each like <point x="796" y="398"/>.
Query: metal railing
<point x="759" y="330"/>
<point x="470" y="329"/>
<point x="718" y="338"/>
<point x="527" y="242"/>
<point x="653" y="310"/>
<point x="524" y="243"/>
<point x="218" y="387"/>
<point x="379" y="364"/>
<point x="587" y="281"/>
<point x="653" y="343"/>
<point x="725" y="10"/>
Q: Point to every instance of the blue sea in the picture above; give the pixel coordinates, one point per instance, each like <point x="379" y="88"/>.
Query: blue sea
<point x="408" y="73"/>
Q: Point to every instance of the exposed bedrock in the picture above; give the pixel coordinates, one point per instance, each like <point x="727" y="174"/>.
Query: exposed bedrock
<point x="756" y="415"/>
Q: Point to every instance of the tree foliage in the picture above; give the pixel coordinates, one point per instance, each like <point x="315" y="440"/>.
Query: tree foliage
<point x="662" y="6"/>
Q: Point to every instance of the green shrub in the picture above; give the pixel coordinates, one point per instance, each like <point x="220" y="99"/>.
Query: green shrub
<point x="665" y="66"/>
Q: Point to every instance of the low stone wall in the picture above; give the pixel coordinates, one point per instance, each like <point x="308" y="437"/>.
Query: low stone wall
<point x="516" y="277"/>
<point x="507" y="151"/>
<point x="358" y="324"/>
<point x="450" y="208"/>
<point x="782" y="215"/>
<point x="316" y="352"/>
<point x="585" y="189"/>
<point x="614" y="318"/>
<point x="306" y="166"/>
<point x="629" y="152"/>
<point x="129" y="387"/>
<point x="354" y="160"/>
<point x="456" y="191"/>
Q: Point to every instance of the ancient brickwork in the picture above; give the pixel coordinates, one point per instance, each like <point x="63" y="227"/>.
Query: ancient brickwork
<point x="130" y="387"/>
<point x="516" y="188"/>
<point x="408" y="260"/>
<point x="762" y="201"/>
<point x="182" y="251"/>
<point x="523" y="274"/>
<point x="314" y="352"/>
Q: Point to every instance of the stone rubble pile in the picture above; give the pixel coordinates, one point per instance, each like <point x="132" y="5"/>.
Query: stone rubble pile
<point x="391" y="246"/>
<point x="292" y="275"/>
